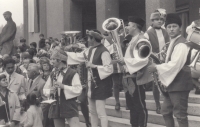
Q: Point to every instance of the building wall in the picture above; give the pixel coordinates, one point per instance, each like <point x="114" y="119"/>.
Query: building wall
<point x="55" y="20"/>
<point x="72" y="15"/>
<point x="194" y="9"/>
<point x="34" y="37"/>
<point x="152" y="5"/>
<point x="132" y="8"/>
<point x="106" y="9"/>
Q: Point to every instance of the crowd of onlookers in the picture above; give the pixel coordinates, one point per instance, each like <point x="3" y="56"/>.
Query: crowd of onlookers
<point x="23" y="75"/>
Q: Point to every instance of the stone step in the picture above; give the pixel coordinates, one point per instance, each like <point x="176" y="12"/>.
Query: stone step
<point x="153" y="117"/>
<point x="118" y="122"/>
<point x="193" y="98"/>
<point x="193" y="109"/>
<point x="81" y="125"/>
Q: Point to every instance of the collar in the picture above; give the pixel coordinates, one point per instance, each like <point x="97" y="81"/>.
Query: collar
<point x="133" y="39"/>
<point x="156" y="28"/>
<point x="172" y="39"/>
<point x="96" y="45"/>
<point x="8" y="74"/>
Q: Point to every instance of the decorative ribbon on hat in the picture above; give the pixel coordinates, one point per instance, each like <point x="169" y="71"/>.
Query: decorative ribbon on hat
<point x="94" y="34"/>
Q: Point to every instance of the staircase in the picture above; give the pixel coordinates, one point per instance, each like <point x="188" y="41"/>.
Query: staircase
<point x="121" y="118"/>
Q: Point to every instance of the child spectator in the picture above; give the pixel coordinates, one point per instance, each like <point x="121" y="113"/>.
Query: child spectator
<point x="34" y="113"/>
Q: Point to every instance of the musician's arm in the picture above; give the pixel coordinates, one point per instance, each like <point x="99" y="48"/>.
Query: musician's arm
<point x="74" y="90"/>
<point x="133" y="65"/>
<point x="168" y="71"/>
<point x="75" y="58"/>
<point x="106" y="69"/>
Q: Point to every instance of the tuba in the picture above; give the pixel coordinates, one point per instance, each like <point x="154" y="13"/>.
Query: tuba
<point x="193" y="39"/>
<point x="71" y="35"/>
<point x="113" y="26"/>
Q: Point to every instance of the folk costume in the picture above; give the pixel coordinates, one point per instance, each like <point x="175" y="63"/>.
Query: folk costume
<point x="176" y="76"/>
<point x="137" y="76"/>
<point x="97" y="55"/>
<point x="158" y="38"/>
<point x="117" y="72"/>
<point x="66" y="106"/>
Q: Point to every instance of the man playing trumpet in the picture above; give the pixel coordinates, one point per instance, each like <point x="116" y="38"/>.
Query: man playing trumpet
<point x="175" y="75"/>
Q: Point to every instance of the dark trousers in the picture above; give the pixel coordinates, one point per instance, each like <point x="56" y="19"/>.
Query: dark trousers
<point x="177" y="104"/>
<point x="46" y="121"/>
<point x="156" y="95"/>
<point x="117" y="81"/>
<point x="137" y="106"/>
<point x="85" y="111"/>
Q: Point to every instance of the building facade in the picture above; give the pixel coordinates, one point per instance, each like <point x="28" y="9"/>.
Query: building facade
<point x="51" y="17"/>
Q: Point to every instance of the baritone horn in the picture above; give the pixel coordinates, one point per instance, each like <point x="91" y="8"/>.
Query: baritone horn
<point x="142" y="49"/>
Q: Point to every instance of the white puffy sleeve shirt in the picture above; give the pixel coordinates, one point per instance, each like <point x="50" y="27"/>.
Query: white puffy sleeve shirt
<point x="104" y="70"/>
<point x="168" y="71"/>
<point x="132" y="64"/>
<point x="70" y="91"/>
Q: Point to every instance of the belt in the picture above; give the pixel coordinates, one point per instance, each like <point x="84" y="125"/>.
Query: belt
<point x="128" y="75"/>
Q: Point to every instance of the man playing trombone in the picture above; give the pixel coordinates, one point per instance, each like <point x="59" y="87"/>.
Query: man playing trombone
<point x="175" y="75"/>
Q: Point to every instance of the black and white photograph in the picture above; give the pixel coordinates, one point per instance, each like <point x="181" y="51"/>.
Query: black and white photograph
<point x="99" y="63"/>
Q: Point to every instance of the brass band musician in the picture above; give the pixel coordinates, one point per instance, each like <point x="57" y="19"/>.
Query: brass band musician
<point x="175" y="75"/>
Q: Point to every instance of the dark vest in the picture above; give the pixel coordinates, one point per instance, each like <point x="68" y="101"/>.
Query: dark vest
<point x="183" y="80"/>
<point x="154" y="39"/>
<point x="68" y="108"/>
<point x="104" y="89"/>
